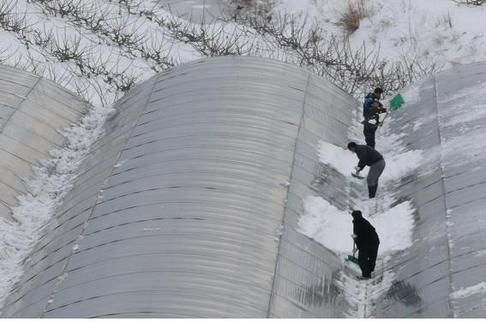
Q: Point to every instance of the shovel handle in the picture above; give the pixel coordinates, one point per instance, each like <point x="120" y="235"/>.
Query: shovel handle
<point x="381" y="123"/>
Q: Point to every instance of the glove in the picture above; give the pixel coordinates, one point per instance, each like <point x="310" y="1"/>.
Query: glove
<point x="357" y="169"/>
<point x="353" y="236"/>
<point x="372" y="121"/>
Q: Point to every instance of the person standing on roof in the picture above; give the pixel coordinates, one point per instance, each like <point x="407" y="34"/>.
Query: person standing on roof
<point x="372" y="108"/>
<point x="367" y="242"/>
<point x="369" y="157"/>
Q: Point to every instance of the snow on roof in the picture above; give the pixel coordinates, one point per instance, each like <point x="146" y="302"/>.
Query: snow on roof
<point x="192" y="204"/>
<point x="179" y="209"/>
<point x="32" y="112"/>
<point x="430" y="203"/>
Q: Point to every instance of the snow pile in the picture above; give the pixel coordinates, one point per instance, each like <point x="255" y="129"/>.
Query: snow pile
<point x="47" y="188"/>
<point x="332" y="227"/>
<point x="395" y="227"/>
<point x="326" y="224"/>
<point x="362" y="296"/>
<point x="339" y="158"/>
<point x="398" y="165"/>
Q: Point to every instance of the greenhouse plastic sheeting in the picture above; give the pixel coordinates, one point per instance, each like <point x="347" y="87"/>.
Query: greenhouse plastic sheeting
<point x="32" y="112"/>
<point x="189" y="205"/>
<point x="441" y="275"/>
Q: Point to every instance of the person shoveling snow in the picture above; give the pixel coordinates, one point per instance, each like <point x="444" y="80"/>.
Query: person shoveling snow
<point x="369" y="157"/>
<point x="367" y="242"/>
<point x="372" y="108"/>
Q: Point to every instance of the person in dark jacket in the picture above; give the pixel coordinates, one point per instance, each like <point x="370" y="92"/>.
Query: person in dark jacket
<point x="369" y="157"/>
<point x="372" y="108"/>
<point x="372" y="100"/>
<point x="367" y="242"/>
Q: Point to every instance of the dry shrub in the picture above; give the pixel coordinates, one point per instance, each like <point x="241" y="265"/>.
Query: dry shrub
<point x="352" y="15"/>
<point x="471" y="2"/>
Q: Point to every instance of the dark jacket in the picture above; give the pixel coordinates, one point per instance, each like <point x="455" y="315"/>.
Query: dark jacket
<point x="366" y="236"/>
<point x="367" y="156"/>
<point x="370" y="112"/>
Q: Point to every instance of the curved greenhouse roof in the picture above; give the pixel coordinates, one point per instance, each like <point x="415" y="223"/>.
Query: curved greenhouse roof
<point x="189" y="205"/>
<point x="32" y="112"/>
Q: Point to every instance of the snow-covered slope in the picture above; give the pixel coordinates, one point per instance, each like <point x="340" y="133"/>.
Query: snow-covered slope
<point x="442" y="32"/>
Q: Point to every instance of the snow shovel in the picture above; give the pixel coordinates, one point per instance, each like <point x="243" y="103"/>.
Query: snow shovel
<point x="382" y="121"/>
<point x="352" y="258"/>
<point x="396" y="102"/>
<point x="356" y="175"/>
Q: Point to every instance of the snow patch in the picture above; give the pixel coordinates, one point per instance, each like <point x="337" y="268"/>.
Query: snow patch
<point x="362" y="296"/>
<point x="412" y="94"/>
<point x="296" y="7"/>
<point x="418" y="123"/>
<point x="400" y="165"/>
<point x="339" y="158"/>
<point x="332" y="227"/>
<point x="469" y="291"/>
<point x="481" y="253"/>
<point x="344" y="161"/>
<point x="326" y="224"/>
<point x="395" y="227"/>
<point x="388" y="143"/>
<point x="46" y="190"/>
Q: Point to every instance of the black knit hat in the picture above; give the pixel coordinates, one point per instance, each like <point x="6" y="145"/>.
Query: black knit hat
<point x="356" y="213"/>
<point x="379" y="90"/>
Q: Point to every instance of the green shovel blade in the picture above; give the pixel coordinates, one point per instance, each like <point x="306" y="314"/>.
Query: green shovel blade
<point x="352" y="259"/>
<point x="396" y="102"/>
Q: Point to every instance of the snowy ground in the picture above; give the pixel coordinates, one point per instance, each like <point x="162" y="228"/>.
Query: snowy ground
<point x="129" y="45"/>
<point x="441" y="31"/>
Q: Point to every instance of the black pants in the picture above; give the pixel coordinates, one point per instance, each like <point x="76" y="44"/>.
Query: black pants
<point x="372" y="191"/>
<point x="367" y="259"/>
<point x="369" y="134"/>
